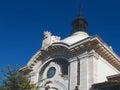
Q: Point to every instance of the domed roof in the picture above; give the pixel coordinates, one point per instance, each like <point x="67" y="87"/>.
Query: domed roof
<point x="79" y="31"/>
<point x="77" y="36"/>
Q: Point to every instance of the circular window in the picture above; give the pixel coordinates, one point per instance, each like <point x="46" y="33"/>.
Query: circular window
<point x="51" y="72"/>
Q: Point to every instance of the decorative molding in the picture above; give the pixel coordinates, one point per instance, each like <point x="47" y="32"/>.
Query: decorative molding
<point x="26" y="69"/>
<point x="85" y="45"/>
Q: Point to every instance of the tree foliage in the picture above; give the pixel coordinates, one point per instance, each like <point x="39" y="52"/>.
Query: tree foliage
<point x="15" y="80"/>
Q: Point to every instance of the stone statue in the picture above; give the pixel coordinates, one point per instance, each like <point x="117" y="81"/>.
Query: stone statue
<point x="49" y="39"/>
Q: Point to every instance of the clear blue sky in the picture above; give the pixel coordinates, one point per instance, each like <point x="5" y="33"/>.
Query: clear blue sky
<point x="22" y="23"/>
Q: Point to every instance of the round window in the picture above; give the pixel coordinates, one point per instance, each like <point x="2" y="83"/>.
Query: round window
<point x="51" y="72"/>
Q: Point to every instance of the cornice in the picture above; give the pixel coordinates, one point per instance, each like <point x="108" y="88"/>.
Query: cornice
<point x="26" y="69"/>
<point x="100" y="47"/>
<point x="108" y="54"/>
<point x="90" y="43"/>
<point x="41" y="54"/>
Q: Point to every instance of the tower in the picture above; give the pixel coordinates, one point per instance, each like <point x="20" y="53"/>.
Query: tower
<point x="74" y="63"/>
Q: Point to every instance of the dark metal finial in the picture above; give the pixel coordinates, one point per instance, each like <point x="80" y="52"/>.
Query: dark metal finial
<point x="80" y="10"/>
<point x="80" y="24"/>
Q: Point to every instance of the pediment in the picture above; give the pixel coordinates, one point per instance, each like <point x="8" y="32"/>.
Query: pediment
<point x="87" y="44"/>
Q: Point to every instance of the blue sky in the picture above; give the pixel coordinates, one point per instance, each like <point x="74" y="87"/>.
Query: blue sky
<point x="22" y="23"/>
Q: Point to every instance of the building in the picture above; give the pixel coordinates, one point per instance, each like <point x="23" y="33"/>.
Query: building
<point x="77" y="62"/>
<point x="113" y="83"/>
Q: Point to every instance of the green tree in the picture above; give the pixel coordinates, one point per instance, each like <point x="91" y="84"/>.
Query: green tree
<point x="1" y="88"/>
<point x="15" y="80"/>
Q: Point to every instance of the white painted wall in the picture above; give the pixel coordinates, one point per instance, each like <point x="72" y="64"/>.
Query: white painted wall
<point x="104" y="70"/>
<point x="73" y="75"/>
<point x="83" y="73"/>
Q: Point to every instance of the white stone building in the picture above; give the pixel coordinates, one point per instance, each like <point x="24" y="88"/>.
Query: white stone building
<point x="74" y="63"/>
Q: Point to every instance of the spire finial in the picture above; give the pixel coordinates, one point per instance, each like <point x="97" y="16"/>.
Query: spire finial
<point x="80" y="24"/>
<point x="80" y="10"/>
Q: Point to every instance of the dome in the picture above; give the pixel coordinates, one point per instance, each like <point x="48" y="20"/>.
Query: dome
<point x="79" y="31"/>
<point x="75" y="37"/>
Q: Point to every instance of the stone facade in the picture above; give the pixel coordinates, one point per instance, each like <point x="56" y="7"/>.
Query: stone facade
<point x="74" y="63"/>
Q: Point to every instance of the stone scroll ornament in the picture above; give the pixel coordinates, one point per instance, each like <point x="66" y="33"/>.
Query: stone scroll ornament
<point x="49" y="39"/>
